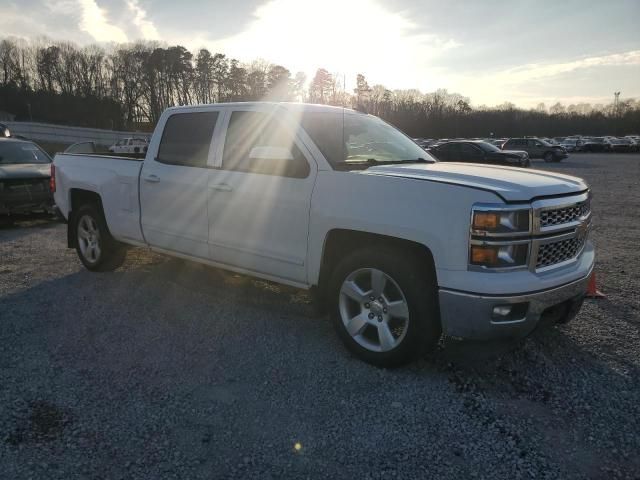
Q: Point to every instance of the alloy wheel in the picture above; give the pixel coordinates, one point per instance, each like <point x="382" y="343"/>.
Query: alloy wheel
<point x="89" y="239"/>
<point x="374" y="310"/>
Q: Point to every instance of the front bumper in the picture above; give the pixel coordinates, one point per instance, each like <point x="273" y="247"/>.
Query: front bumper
<point x="472" y="316"/>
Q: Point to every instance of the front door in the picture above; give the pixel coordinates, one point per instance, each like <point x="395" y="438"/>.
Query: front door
<point x="260" y="197"/>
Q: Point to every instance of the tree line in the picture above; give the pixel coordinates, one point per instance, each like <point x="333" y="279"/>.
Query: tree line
<point x="129" y="85"/>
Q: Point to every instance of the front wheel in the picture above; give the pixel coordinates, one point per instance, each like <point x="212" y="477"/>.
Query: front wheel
<point x="97" y="249"/>
<point x="548" y="157"/>
<point x="384" y="307"/>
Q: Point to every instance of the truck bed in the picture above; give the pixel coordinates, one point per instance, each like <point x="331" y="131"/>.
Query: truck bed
<point x="114" y="178"/>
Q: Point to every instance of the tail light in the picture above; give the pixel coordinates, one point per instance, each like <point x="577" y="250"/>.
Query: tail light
<point x="52" y="179"/>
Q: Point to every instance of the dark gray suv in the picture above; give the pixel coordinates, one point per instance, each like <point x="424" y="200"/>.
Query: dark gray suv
<point x="537" y="148"/>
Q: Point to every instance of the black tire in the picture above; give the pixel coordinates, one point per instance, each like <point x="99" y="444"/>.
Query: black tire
<point x="136" y="150"/>
<point x="112" y="253"/>
<point x="548" y="157"/>
<point x="419" y="288"/>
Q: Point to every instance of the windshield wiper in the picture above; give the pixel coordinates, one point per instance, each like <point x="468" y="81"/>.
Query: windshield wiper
<point x="398" y="162"/>
<point x="372" y="162"/>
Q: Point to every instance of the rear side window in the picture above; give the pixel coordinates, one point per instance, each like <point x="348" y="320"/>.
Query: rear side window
<point x="257" y="143"/>
<point x="186" y="139"/>
<point x="450" y="148"/>
<point x="467" y="149"/>
<point x="21" y="152"/>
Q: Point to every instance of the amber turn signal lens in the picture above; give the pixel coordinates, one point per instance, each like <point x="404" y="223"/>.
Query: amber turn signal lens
<point x="484" y="255"/>
<point x="486" y="220"/>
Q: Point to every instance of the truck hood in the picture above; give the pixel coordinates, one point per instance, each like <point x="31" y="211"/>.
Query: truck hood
<point x="24" y="170"/>
<point x="512" y="184"/>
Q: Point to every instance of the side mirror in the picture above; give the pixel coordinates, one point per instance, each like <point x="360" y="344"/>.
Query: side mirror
<point x="270" y="153"/>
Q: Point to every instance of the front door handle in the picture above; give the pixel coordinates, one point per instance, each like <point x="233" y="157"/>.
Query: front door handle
<point x="222" y="187"/>
<point x="152" y="178"/>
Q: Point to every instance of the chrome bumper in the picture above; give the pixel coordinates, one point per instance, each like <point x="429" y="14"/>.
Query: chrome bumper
<point x="472" y="316"/>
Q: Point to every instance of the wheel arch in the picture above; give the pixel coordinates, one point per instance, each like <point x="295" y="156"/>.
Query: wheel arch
<point x="341" y="242"/>
<point x="77" y="198"/>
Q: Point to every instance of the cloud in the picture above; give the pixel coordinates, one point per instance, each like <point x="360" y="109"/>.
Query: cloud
<point x="529" y="84"/>
<point x="94" y="22"/>
<point x="535" y="71"/>
<point x="140" y="20"/>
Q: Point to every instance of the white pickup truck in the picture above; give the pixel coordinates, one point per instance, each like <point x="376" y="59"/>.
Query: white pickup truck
<point x="399" y="247"/>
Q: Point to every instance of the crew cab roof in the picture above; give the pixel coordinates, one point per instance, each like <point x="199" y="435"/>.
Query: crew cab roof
<point x="289" y="106"/>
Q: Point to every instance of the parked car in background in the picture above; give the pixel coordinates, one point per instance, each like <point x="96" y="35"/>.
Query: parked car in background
<point x="558" y="140"/>
<point x="622" y="145"/>
<point x="635" y="139"/>
<point x="130" y="146"/>
<point x="25" y="175"/>
<point x="571" y="145"/>
<point x="596" y="144"/>
<point x="477" y="151"/>
<point x="537" y="148"/>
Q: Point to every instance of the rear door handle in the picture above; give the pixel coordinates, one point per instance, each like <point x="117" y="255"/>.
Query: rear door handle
<point x="223" y="187"/>
<point x="152" y="178"/>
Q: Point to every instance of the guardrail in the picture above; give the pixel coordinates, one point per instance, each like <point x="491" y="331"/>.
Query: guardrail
<point x="47" y="132"/>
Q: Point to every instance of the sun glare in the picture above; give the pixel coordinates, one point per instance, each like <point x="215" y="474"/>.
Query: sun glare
<point x="343" y="37"/>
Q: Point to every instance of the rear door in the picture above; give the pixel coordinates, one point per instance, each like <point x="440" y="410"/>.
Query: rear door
<point x="449" y="152"/>
<point x="260" y="196"/>
<point x="174" y="185"/>
<point x="470" y="153"/>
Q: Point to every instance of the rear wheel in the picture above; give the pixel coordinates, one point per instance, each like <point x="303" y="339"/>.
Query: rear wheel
<point x="97" y="249"/>
<point x="384" y="307"/>
<point x="548" y="157"/>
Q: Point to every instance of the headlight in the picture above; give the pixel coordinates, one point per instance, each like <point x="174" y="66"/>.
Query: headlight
<point x="499" y="256"/>
<point x="499" y="236"/>
<point x="488" y="221"/>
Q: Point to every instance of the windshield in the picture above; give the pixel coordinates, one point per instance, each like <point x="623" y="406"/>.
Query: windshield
<point x="355" y="139"/>
<point x="487" y="147"/>
<point x="21" y="153"/>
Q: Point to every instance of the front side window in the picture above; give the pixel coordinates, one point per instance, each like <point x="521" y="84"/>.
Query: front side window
<point x="351" y="139"/>
<point x="21" y="153"/>
<point x="256" y="142"/>
<point x="186" y="139"/>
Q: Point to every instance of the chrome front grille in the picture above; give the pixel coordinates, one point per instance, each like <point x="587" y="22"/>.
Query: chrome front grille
<point x="558" y="216"/>
<point x="557" y="234"/>
<point x="557" y="252"/>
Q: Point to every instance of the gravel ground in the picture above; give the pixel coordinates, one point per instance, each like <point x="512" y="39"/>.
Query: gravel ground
<point x="167" y="369"/>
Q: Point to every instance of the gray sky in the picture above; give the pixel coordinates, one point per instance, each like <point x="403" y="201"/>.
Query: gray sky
<point x="493" y="51"/>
